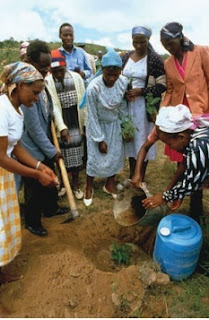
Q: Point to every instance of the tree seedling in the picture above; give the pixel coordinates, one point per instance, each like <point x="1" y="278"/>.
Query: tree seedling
<point x="127" y="128"/>
<point x="121" y="253"/>
<point x="151" y="106"/>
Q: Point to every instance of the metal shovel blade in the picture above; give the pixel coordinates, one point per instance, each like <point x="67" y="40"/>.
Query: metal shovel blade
<point x="73" y="215"/>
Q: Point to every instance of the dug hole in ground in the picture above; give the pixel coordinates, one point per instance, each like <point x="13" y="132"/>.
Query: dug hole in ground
<point x="71" y="273"/>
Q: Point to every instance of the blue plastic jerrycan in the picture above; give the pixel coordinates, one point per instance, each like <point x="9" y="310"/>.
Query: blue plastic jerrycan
<point x="177" y="245"/>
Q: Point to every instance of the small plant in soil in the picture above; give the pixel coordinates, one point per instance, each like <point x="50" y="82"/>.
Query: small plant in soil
<point x="121" y="253"/>
<point x="127" y="128"/>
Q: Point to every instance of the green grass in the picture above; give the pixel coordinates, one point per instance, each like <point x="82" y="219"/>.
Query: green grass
<point x="192" y="298"/>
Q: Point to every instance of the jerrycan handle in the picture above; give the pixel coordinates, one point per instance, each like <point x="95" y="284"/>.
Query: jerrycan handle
<point x="181" y="228"/>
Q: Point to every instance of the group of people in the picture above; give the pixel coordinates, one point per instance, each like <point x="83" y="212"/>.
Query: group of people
<point x="50" y="85"/>
<point x="187" y="80"/>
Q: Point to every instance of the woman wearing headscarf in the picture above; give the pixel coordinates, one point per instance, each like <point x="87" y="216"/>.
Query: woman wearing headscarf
<point x="187" y="74"/>
<point x="21" y="85"/>
<point x="66" y="89"/>
<point x="190" y="137"/>
<point x="144" y="68"/>
<point x="23" y="51"/>
<point x="105" y="107"/>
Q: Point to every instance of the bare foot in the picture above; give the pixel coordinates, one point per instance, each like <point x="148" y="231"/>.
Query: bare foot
<point x="89" y="193"/>
<point x="110" y="188"/>
<point x="5" y="277"/>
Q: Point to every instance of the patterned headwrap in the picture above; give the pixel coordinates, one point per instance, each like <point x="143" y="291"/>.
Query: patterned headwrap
<point x="111" y="59"/>
<point x="23" y="47"/>
<point x="200" y="121"/>
<point x="174" y="119"/>
<point x="147" y="32"/>
<point x="171" y="30"/>
<point x="18" y="72"/>
<point x="58" y="59"/>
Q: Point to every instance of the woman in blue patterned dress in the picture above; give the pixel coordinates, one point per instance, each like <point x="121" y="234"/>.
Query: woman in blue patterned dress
<point x="105" y="107"/>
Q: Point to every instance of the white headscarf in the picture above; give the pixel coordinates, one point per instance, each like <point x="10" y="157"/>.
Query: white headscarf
<point x="174" y="119"/>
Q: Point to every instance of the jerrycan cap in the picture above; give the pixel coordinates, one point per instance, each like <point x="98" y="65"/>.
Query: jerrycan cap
<point x="165" y="231"/>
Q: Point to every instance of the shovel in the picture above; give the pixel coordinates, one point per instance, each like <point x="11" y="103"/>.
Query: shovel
<point x="74" y="212"/>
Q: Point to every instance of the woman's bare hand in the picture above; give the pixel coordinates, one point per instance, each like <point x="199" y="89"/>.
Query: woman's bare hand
<point x="103" y="147"/>
<point x="153" y="202"/>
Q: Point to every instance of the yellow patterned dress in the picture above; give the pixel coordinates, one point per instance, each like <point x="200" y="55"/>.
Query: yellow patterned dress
<point x="11" y="125"/>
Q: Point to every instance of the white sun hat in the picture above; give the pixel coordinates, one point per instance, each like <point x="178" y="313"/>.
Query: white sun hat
<point x="174" y="119"/>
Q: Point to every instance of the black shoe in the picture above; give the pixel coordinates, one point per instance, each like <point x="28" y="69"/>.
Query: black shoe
<point x="59" y="212"/>
<point x="38" y="231"/>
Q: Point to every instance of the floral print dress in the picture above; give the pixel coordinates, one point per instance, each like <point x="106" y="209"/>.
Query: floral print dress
<point x="105" y="108"/>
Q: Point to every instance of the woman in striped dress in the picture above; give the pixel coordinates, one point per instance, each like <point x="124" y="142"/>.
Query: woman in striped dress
<point x="67" y="88"/>
<point x="190" y="137"/>
<point x="21" y="85"/>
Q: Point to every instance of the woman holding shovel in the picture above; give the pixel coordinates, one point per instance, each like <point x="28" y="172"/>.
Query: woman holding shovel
<point x="66" y="89"/>
<point x="21" y="85"/>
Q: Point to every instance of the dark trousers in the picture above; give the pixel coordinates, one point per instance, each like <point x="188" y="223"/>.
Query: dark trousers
<point x="196" y="205"/>
<point x="39" y="199"/>
<point x="85" y="151"/>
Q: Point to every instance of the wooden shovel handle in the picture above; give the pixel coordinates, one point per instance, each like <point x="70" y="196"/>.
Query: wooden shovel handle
<point x="63" y="170"/>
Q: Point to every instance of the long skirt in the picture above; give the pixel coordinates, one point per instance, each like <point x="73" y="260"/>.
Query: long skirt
<point x="10" y="225"/>
<point x="74" y="151"/>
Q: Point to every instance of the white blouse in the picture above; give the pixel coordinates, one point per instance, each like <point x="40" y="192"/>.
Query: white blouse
<point x="11" y="123"/>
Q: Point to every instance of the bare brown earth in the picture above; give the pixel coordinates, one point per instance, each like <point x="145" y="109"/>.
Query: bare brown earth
<point x="70" y="273"/>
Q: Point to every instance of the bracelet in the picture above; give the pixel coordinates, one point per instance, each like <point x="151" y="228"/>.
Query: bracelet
<point x="38" y="164"/>
<point x="164" y="198"/>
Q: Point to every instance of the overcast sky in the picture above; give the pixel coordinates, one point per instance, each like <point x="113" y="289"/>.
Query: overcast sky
<point x="105" y="22"/>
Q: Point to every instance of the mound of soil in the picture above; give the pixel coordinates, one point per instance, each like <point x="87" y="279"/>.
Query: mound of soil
<point x="71" y="274"/>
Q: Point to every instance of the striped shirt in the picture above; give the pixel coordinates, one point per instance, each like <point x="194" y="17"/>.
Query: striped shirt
<point x="197" y="166"/>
